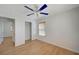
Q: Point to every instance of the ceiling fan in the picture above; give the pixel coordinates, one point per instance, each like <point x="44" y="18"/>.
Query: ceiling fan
<point x="39" y="11"/>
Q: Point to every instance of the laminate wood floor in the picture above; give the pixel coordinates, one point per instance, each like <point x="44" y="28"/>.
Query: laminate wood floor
<point x="34" y="47"/>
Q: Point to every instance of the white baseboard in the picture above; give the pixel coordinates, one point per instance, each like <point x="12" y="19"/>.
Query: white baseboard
<point x="1" y="40"/>
<point x="61" y="46"/>
<point x="19" y="43"/>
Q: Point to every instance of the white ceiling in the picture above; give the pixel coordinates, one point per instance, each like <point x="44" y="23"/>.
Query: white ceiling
<point x="19" y="9"/>
<point x="58" y="8"/>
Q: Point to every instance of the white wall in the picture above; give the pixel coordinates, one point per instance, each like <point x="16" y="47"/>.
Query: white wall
<point x="34" y="30"/>
<point x="19" y="31"/>
<point x="63" y="30"/>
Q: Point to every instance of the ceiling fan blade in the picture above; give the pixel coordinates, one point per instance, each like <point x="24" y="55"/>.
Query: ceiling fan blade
<point x="30" y="14"/>
<point x="44" y="13"/>
<point x="28" y="8"/>
<point x="43" y="7"/>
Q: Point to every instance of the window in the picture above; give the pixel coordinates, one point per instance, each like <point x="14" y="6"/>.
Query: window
<point x="42" y="29"/>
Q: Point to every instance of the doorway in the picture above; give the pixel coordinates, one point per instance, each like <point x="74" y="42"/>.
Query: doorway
<point x="1" y="32"/>
<point x="7" y="28"/>
<point x="28" y="31"/>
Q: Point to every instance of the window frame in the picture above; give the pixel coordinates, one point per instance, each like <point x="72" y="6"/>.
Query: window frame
<point x="42" y="31"/>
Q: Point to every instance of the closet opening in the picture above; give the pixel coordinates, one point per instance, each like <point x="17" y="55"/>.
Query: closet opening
<point x="28" y="31"/>
<point x="7" y="31"/>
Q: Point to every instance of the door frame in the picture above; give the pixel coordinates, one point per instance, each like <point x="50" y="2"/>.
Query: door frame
<point x="30" y="30"/>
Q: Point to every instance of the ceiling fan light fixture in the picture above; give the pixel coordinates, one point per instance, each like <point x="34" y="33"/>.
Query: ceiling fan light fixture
<point x="37" y="12"/>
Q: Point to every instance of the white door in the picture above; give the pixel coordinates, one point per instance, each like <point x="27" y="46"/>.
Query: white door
<point x="1" y="31"/>
<point x="7" y="29"/>
<point x="28" y="30"/>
